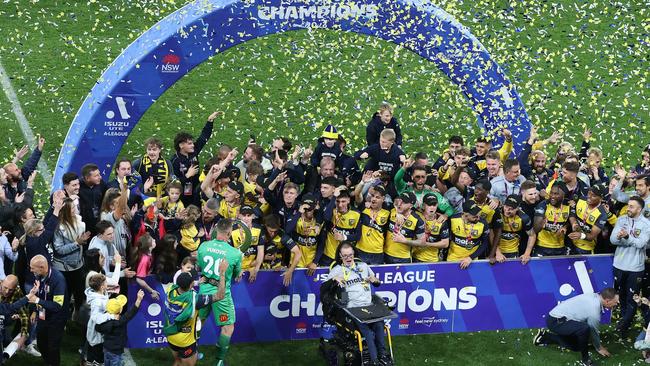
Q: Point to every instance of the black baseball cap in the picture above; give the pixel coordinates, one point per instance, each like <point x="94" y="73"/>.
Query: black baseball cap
<point x="513" y="201"/>
<point x="408" y="197"/>
<point x="247" y="210"/>
<point x="471" y="208"/>
<point x="430" y="199"/>
<point x="599" y="190"/>
<point x="232" y="173"/>
<point x="310" y="200"/>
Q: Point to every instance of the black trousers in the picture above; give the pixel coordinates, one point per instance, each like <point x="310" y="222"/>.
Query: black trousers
<point x="627" y="284"/>
<point x="569" y="334"/>
<point x="49" y="335"/>
<point x="76" y="282"/>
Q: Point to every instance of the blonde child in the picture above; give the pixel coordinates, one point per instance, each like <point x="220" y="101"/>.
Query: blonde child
<point x="188" y="234"/>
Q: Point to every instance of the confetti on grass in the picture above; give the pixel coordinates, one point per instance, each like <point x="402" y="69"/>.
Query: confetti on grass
<point x="573" y="63"/>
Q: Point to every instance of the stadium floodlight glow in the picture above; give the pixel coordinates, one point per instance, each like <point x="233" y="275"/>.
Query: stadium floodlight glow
<point x="203" y="28"/>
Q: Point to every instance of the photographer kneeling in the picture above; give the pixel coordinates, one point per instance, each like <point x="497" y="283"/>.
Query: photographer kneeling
<point x="355" y="279"/>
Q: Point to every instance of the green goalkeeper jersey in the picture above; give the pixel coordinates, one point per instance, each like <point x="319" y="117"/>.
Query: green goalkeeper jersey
<point x="210" y="255"/>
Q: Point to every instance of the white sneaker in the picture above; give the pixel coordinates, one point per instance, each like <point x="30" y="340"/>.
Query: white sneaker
<point x="31" y="350"/>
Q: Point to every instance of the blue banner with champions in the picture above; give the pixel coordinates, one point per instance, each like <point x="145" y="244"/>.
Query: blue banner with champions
<point x="429" y="298"/>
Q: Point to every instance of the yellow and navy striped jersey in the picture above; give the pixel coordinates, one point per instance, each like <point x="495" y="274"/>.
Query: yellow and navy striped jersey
<point x="347" y="224"/>
<point x="411" y="228"/>
<point x="434" y="232"/>
<point x="307" y="234"/>
<point x="190" y="238"/>
<point x="178" y="308"/>
<point x="277" y="248"/>
<point x="170" y="209"/>
<point x="512" y="229"/>
<point x="373" y="230"/>
<point x="588" y="218"/>
<point x="466" y="239"/>
<point x="250" y="255"/>
<point x="226" y="211"/>
<point x="486" y="213"/>
<point x="552" y="235"/>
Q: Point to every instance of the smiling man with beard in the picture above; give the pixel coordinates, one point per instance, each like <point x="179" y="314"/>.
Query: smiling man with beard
<point x="419" y="187"/>
<point x="551" y="222"/>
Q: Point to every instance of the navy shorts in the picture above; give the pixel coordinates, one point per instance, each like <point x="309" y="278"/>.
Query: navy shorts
<point x="184" y="352"/>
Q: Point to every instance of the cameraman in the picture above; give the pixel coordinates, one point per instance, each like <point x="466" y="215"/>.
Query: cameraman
<point x="355" y="278"/>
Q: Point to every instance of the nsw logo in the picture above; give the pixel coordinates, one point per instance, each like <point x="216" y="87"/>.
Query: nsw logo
<point x="403" y="323"/>
<point x="171" y="63"/>
<point x="301" y="328"/>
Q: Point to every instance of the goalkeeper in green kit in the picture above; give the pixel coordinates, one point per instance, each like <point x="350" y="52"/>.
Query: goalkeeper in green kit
<point x="210" y="255"/>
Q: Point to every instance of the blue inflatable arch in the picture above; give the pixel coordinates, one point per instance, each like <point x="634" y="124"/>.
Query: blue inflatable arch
<point x="189" y="36"/>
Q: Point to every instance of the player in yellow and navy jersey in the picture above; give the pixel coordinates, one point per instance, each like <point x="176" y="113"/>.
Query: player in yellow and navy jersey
<point x="230" y="204"/>
<point x="306" y="231"/>
<point x="280" y="251"/>
<point x="511" y="225"/>
<point x="405" y="230"/>
<point x="588" y="218"/>
<point x="181" y="315"/>
<point x="341" y="224"/>
<point x="374" y="224"/>
<point x="483" y="201"/>
<point x="551" y="222"/>
<point x="254" y="255"/>
<point x="468" y="235"/>
<point x="436" y="232"/>
<point x="481" y="148"/>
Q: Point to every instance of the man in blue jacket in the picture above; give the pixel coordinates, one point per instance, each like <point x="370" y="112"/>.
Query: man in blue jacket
<point x="52" y="309"/>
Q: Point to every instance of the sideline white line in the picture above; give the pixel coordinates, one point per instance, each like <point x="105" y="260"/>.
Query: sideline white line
<point x="128" y="360"/>
<point x="22" y="122"/>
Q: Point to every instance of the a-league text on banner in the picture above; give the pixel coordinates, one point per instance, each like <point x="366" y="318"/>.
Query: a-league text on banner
<point x="429" y="298"/>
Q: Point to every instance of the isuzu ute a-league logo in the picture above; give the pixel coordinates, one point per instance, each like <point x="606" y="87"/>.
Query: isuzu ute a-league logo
<point x="117" y="124"/>
<point x="171" y="63"/>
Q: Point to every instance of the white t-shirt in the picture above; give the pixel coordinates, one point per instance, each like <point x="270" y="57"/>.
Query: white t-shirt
<point x="122" y="233"/>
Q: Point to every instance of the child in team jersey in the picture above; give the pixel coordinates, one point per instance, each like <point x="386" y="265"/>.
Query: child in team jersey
<point x="171" y="204"/>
